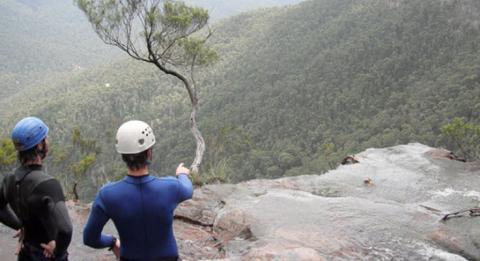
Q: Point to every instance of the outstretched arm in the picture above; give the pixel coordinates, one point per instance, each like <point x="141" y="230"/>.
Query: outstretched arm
<point x="92" y="234"/>
<point x="185" y="188"/>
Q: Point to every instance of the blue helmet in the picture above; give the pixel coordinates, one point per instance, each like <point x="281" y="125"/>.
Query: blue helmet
<point x="28" y="133"/>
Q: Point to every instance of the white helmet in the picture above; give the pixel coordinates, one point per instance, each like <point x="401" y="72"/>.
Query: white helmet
<point x="134" y="137"/>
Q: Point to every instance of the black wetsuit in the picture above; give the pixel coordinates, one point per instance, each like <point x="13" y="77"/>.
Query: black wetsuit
<point x="37" y="200"/>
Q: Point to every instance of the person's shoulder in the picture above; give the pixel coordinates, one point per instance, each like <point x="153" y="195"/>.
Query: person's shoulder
<point x="111" y="185"/>
<point x="40" y="177"/>
<point x="166" y="178"/>
<point x="45" y="185"/>
<point x="109" y="190"/>
<point x="167" y="181"/>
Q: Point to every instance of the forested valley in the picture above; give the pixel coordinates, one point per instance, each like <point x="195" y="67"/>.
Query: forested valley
<point x="295" y="90"/>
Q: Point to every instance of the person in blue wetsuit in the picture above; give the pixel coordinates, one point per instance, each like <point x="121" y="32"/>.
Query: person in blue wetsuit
<point x="141" y="206"/>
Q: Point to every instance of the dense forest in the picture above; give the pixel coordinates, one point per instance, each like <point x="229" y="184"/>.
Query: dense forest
<point x="42" y="38"/>
<point x="221" y="8"/>
<point x="296" y="89"/>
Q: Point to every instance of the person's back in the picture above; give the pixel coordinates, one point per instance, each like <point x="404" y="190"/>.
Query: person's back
<point x="39" y="202"/>
<point x="141" y="206"/>
<point x="36" y="198"/>
<point x="142" y="211"/>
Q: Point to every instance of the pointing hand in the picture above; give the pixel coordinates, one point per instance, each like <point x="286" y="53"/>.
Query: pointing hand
<point x="182" y="170"/>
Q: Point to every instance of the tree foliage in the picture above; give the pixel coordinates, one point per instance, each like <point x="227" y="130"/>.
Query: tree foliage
<point x="465" y="136"/>
<point x="161" y="33"/>
<point x="148" y="30"/>
<point x="8" y="154"/>
<point x="73" y="164"/>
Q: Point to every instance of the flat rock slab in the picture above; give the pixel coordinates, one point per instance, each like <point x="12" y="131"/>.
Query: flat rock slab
<point x="336" y="216"/>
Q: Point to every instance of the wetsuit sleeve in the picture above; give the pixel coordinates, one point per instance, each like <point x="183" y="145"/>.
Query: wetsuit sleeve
<point x="53" y="213"/>
<point x="185" y="188"/>
<point x="7" y="216"/>
<point x="92" y="233"/>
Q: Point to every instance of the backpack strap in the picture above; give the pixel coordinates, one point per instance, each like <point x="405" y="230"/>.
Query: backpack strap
<point x="22" y="210"/>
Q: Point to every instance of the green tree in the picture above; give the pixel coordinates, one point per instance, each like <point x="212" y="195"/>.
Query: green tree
<point x="466" y="137"/>
<point x="75" y="162"/>
<point x="162" y="33"/>
<point x="328" y="154"/>
<point x="8" y="154"/>
<point x="79" y="170"/>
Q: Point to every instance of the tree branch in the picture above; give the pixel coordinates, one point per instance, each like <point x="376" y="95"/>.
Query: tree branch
<point x="154" y="59"/>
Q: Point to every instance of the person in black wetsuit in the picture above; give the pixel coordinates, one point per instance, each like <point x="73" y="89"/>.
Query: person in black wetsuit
<point x="33" y="201"/>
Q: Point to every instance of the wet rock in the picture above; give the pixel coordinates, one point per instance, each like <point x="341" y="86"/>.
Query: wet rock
<point x="335" y="216"/>
<point x="232" y="223"/>
<point x="202" y="209"/>
<point x="196" y="242"/>
<point x="282" y="253"/>
<point x="78" y="212"/>
<point x="443" y="154"/>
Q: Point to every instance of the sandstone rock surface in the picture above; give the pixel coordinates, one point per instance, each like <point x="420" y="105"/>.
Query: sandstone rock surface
<point x="333" y="216"/>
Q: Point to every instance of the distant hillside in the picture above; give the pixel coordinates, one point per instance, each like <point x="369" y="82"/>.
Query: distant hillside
<point x="328" y="78"/>
<point x="225" y="8"/>
<point x="44" y="37"/>
<point x="297" y="89"/>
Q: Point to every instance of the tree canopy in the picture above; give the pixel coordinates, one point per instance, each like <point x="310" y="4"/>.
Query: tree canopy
<point x="160" y="33"/>
<point x="465" y="137"/>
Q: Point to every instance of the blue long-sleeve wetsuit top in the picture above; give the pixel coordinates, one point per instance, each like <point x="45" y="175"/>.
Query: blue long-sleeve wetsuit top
<point x="142" y="210"/>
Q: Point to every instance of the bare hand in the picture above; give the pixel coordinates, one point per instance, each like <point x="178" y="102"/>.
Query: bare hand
<point x="20" y="236"/>
<point x="182" y="170"/>
<point x="49" y="249"/>
<point x="116" y="249"/>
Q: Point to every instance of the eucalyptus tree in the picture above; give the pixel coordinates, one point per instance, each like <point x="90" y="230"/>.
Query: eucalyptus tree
<point x="165" y="33"/>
